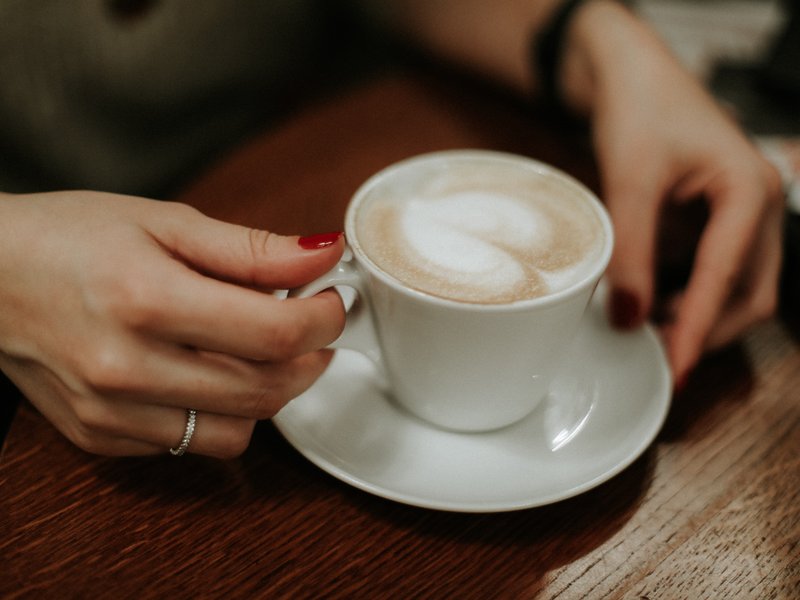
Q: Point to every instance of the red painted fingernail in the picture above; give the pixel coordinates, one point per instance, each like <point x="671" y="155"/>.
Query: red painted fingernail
<point x="680" y="384"/>
<point x="624" y="309"/>
<point x="320" y="240"/>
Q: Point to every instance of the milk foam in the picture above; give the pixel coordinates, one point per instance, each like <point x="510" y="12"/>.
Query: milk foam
<point x="455" y="235"/>
<point x="480" y="237"/>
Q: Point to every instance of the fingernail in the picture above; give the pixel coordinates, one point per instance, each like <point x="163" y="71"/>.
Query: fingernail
<point x="624" y="309"/>
<point x="681" y="383"/>
<point x="320" y="240"/>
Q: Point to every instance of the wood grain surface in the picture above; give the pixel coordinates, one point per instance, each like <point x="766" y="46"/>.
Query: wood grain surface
<point x="710" y="510"/>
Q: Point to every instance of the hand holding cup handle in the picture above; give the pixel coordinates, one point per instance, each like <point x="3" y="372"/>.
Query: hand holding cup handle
<point x="359" y="332"/>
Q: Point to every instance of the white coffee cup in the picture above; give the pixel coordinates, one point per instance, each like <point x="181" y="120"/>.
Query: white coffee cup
<point x="467" y="365"/>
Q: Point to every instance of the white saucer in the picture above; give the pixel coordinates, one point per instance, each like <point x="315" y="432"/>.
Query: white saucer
<point x="602" y="413"/>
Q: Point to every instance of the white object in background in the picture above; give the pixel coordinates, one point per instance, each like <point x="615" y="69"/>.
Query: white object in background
<point x="702" y="34"/>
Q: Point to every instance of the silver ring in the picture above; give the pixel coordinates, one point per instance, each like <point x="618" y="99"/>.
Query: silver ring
<point x="191" y="419"/>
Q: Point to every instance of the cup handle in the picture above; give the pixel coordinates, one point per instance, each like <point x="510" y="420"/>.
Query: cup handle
<point x="359" y="331"/>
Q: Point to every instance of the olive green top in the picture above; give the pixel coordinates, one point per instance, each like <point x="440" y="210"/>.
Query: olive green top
<point x="134" y="96"/>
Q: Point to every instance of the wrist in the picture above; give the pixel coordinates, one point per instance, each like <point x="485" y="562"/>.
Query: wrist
<point x="549" y="47"/>
<point x="608" y="49"/>
<point x="600" y="40"/>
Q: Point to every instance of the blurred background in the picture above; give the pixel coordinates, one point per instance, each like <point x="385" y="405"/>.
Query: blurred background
<point x="748" y="51"/>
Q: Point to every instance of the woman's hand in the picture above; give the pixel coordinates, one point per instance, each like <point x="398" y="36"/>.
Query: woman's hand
<point x="118" y="313"/>
<point x="661" y="140"/>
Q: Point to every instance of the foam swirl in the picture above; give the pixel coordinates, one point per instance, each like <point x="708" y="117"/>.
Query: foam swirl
<point x="482" y="236"/>
<point x="456" y="237"/>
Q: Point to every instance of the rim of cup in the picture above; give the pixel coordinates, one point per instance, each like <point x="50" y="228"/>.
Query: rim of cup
<point x="544" y="169"/>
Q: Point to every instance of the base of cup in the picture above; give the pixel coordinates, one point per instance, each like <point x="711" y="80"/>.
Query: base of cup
<point x="466" y="423"/>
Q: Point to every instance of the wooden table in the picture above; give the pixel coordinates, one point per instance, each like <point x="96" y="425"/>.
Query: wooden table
<point x="711" y="510"/>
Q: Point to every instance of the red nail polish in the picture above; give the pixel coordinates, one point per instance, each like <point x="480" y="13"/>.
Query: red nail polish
<point x="680" y="384"/>
<point x="624" y="309"/>
<point x="320" y="240"/>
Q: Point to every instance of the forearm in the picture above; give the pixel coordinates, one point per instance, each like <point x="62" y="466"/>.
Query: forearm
<point x="491" y="39"/>
<point x="494" y="39"/>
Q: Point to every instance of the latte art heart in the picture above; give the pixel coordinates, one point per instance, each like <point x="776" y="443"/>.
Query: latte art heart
<point x="481" y="236"/>
<point x="456" y="237"/>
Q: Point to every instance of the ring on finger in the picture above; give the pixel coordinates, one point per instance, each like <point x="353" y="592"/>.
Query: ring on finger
<point x="191" y="421"/>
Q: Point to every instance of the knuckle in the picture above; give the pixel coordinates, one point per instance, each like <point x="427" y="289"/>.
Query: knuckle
<point x="90" y="416"/>
<point x="130" y="299"/>
<point x="87" y="440"/>
<point x="108" y="369"/>
<point x="136" y="303"/>
<point x="286" y="339"/>
<point x="182" y="210"/>
<point x="259" y="241"/>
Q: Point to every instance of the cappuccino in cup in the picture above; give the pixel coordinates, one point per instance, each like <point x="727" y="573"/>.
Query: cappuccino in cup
<point x="472" y="270"/>
<point x="479" y="231"/>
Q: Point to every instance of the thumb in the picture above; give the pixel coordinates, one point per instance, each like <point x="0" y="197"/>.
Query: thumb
<point x="246" y="255"/>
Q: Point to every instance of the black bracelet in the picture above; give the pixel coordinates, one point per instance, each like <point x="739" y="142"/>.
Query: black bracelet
<point x="547" y="49"/>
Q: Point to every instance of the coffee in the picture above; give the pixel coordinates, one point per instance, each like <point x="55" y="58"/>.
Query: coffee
<point x="481" y="231"/>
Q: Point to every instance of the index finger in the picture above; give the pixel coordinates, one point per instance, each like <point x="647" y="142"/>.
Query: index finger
<point x="728" y="237"/>
<point x="218" y="316"/>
